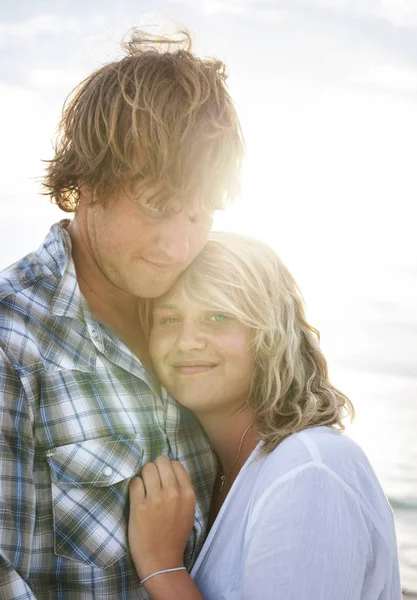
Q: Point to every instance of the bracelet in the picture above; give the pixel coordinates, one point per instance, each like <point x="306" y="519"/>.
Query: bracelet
<point x="160" y="573"/>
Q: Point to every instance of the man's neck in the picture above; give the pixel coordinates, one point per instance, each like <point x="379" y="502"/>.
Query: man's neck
<point x="94" y="285"/>
<point x="113" y="307"/>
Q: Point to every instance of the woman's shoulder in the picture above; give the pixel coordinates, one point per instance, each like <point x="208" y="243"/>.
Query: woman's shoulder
<point x="332" y="457"/>
<point x="320" y="445"/>
<point x="322" y="448"/>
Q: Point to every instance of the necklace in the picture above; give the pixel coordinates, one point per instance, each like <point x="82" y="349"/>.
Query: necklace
<point x="223" y="477"/>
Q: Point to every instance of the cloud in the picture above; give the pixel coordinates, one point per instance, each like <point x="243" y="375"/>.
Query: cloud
<point x="215" y="7"/>
<point x="389" y="77"/>
<point x="47" y="24"/>
<point x="229" y="7"/>
<point x="47" y="79"/>
<point x="32" y="27"/>
<point x="400" y="13"/>
<point x="25" y="120"/>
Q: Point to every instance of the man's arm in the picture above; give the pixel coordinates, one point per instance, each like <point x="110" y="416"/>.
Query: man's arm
<point x="17" y="490"/>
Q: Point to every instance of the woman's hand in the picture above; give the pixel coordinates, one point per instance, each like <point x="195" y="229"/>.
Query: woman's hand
<point x="162" y="505"/>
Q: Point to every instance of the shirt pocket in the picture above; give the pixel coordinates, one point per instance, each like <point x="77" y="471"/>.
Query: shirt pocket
<point x="90" y="482"/>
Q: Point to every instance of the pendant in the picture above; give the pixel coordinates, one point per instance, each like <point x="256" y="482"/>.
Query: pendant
<point x="222" y="480"/>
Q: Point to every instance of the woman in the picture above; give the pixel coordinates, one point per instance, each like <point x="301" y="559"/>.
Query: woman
<point x="297" y="511"/>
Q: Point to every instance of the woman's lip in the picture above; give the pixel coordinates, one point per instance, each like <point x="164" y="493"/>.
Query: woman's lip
<point x="193" y="369"/>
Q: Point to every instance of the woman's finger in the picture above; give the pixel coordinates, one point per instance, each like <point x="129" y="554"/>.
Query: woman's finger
<point x="166" y="472"/>
<point x="136" y="491"/>
<point x="151" y="480"/>
<point x="181" y="475"/>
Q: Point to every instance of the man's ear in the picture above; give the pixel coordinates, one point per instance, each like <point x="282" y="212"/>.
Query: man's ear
<point x="86" y="193"/>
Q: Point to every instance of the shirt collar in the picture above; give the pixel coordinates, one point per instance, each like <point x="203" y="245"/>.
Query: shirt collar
<point x="56" y="253"/>
<point x="68" y="301"/>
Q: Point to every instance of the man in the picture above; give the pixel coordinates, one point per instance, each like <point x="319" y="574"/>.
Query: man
<point x="149" y="146"/>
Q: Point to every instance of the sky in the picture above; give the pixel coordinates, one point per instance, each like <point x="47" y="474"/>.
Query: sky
<point x="327" y="94"/>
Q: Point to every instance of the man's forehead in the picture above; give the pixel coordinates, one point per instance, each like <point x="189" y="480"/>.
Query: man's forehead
<point x="159" y="195"/>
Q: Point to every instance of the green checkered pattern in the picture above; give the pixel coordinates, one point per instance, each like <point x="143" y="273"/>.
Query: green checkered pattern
<point x="79" y="416"/>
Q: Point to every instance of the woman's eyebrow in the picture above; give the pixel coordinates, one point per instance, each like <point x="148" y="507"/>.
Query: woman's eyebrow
<point x="166" y="306"/>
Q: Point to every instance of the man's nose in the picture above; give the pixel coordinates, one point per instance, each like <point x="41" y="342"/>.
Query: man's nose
<point x="173" y="237"/>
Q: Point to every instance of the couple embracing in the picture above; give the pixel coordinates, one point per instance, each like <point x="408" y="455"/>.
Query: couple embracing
<point x="168" y="429"/>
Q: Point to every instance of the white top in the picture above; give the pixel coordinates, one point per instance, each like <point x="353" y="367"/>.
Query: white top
<point x="309" y="521"/>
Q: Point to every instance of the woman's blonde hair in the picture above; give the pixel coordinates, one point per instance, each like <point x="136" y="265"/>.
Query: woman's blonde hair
<point x="290" y="388"/>
<point x="159" y="115"/>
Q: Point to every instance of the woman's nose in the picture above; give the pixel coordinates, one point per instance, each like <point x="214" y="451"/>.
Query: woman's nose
<point x="191" y="338"/>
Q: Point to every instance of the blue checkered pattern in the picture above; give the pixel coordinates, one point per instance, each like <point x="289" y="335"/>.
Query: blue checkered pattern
<point x="79" y="416"/>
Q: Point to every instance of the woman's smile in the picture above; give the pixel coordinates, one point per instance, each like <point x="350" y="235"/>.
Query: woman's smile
<point x="204" y="358"/>
<point x="194" y="368"/>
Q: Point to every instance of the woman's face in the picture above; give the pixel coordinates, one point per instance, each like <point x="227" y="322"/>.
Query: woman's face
<point x="204" y="358"/>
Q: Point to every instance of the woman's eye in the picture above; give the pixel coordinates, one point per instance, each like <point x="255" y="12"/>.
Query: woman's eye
<point x="218" y="318"/>
<point x="170" y="320"/>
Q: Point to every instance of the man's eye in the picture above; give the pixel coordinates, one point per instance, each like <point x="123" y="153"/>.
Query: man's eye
<point x="152" y="212"/>
<point x="201" y="218"/>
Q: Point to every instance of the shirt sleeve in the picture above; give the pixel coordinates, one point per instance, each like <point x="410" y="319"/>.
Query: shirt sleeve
<point x="307" y="538"/>
<point x="17" y="490"/>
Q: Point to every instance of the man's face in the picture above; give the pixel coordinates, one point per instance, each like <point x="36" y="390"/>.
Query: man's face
<point x="139" y="249"/>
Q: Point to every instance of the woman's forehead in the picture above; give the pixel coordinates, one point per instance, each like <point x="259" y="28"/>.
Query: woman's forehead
<point x="173" y="296"/>
<point x="178" y="297"/>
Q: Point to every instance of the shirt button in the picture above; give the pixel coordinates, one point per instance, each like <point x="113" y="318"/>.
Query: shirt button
<point x="107" y="471"/>
<point x="94" y="333"/>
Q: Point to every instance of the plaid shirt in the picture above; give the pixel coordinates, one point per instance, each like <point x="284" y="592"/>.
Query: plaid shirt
<point x="79" y="416"/>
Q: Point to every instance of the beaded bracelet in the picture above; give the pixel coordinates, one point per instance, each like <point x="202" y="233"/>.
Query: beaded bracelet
<point x="160" y="573"/>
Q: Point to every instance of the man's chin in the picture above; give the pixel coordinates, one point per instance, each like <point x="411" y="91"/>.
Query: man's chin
<point x="155" y="291"/>
<point x="149" y="288"/>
